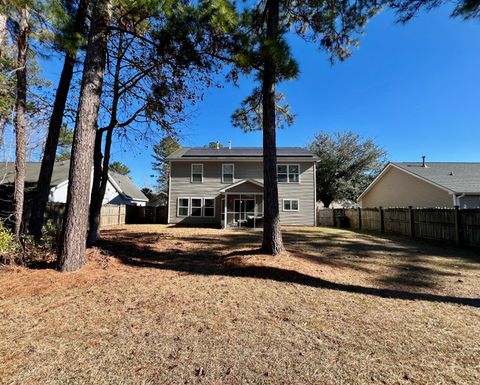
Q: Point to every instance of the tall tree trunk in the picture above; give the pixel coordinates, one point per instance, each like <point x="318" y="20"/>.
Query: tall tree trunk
<point x="100" y="172"/>
<point x="46" y="170"/>
<point x="20" y="131"/>
<point x="100" y="178"/>
<point x="3" y="55"/>
<point x="72" y="255"/>
<point x="272" y="235"/>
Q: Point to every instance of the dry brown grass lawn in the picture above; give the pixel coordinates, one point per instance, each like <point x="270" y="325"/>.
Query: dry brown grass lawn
<point x="166" y="305"/>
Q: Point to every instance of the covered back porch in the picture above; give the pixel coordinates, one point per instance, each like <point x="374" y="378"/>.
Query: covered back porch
<point x="242" y="205"/>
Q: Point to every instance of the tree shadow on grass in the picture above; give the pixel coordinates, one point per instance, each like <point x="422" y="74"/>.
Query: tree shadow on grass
<point x="210" y="257"/>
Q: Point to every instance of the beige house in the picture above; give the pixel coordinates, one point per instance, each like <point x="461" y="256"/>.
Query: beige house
<point x="436" y="184"/>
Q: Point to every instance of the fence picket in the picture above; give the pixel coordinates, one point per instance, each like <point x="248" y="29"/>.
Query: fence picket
<point x="452" y="225"/>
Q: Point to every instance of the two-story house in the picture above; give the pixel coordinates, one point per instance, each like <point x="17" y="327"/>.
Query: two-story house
<point x="224" y="186"/>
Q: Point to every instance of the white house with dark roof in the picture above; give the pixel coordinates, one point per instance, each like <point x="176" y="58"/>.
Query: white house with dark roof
<point x="420" y="184"/>
<point x="224" y="186"/>
<point x="120" y="188"/>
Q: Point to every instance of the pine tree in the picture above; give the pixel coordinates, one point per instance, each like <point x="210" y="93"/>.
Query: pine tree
<point x="160" y="164"/>
<point x="161" y="58"/>
<point x="119" y="168"/>
<point x="407" y="9"/>
<point x="69" y="37"/>
<point x="72" y="256"/>
<point x="20" y="111"/>
<point x="260" y="47"/>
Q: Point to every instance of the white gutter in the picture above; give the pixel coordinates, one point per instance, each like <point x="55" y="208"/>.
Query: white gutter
<point x="457" y="198"/>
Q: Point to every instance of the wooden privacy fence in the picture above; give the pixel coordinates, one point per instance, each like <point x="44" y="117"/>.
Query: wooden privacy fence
<point x="458" y="226"/>
<point x="146" y="214"/>
<point x="113" y="215"/>
<point x="109" y="216"/>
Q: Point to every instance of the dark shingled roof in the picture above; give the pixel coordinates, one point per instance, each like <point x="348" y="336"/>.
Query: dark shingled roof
<point x="60" y="174"/>
<point x="240" y="152"/>
<point x="457" y="177"/>
<point x="32" y="169"/>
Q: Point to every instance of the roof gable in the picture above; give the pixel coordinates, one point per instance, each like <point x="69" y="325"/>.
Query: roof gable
<point x="455" y="178"/>
<point x="126" y="187"/>
<point x="244" y="185"/>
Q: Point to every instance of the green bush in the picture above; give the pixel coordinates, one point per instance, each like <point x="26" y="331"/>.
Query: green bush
<point x="7" y="242"/>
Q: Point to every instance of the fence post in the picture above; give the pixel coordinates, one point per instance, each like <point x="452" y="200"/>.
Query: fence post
<point x="382" y="221"/>
<point x="359" y="218"/>
<point x="457" y="226"/>
<point x="412" y="222"/>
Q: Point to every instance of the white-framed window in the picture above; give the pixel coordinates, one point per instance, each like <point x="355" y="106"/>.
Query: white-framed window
<point x="227" y="172"/>
<point x="183" y="207"/>
<point x="197" y="173"/>
<point x="290" y="205"/>
<point x="208" y="207"/>
<point x="288" y="173"/>
<point x="196" y="207"/>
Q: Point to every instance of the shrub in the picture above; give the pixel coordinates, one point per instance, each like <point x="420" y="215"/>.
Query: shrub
<point x="8" y="246"/>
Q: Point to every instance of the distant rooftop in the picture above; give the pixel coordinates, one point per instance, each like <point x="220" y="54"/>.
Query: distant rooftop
<point x="60" y="174"/>
<point x="238" y="152"/>
<point x="456" y="177"/>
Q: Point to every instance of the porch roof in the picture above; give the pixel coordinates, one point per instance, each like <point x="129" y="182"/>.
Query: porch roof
<point x="247" y="186"/>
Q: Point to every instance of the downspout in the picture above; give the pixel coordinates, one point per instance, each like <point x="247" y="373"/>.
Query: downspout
<point x="456" y="199"/>
<point x="169" y="193"/>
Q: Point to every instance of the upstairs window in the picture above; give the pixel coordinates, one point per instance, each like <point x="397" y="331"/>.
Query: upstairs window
<point x="227" y="173"/>
<point x="293" y="173"/>
<point x="288" y="173"/>
<point x="282" y="173"/>
<point x="197" y="173"/>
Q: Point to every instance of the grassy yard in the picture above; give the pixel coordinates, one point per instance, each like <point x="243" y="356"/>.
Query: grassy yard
<point x="167" y="305"/>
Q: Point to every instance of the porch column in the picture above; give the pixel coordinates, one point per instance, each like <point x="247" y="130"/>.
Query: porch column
<point x="225" y="213"/>
<point x="240" y="213"/>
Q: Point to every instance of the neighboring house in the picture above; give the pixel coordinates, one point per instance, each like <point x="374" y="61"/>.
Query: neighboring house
<point x="120" y="188"/>
<point x="433" y="184"/>
<point x="224" y="186"/>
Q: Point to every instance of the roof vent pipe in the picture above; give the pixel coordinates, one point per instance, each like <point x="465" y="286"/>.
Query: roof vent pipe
<point x="229" y="144"/>
<point x="423" y="161"/>
<point x="217" y="145"/>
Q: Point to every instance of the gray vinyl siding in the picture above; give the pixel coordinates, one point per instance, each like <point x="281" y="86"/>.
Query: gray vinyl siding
<point x="304" y="192"/>
<point x="182" y="187"/>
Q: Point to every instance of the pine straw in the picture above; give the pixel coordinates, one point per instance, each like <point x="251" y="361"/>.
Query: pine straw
<point x="165" y="305"/>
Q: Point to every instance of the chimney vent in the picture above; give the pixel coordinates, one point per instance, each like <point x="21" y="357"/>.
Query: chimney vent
<point x="423" y="161"/>
<point x="217" y="145"/>
<point x="229" y="144"/>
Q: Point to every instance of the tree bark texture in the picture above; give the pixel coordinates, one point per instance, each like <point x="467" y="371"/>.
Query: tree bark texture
<point x="20" y="130"/>
<point x="46" y="170"/>
<point x="272" y="235"/>
<point x="100" y="171"/>
<point x="99" y="186"/>
<point x="72" y="255"/>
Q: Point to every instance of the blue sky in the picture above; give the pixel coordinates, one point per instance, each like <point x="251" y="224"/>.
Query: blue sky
<point x="414" y="89"/>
